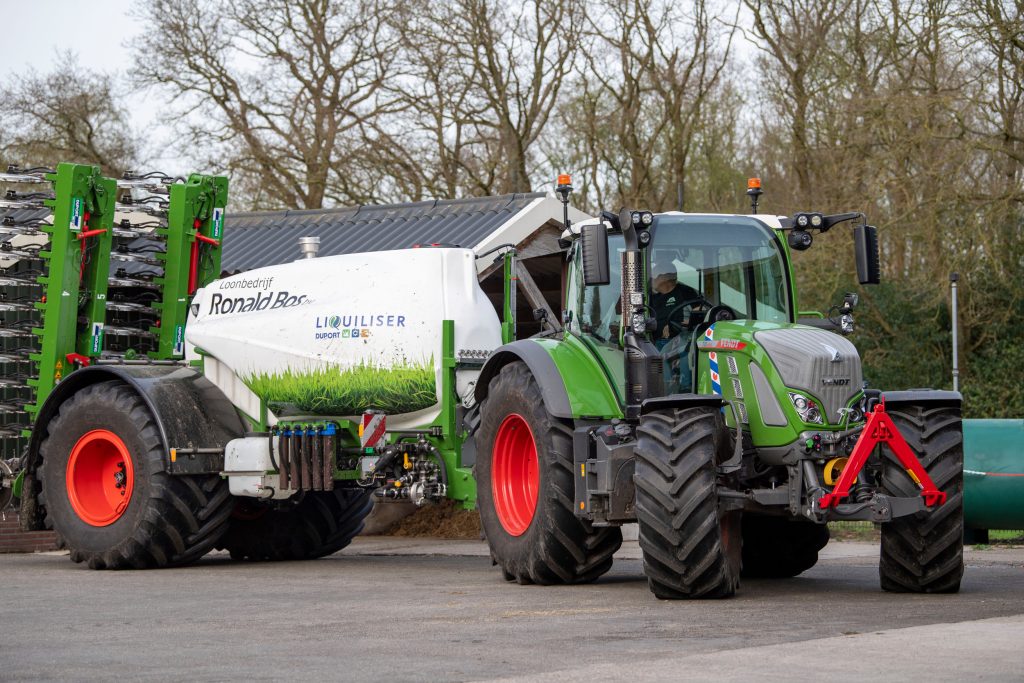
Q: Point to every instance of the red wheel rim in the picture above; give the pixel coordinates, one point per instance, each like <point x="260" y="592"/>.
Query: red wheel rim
<point x="100" y="478"/>
<point x="515" y="475"/>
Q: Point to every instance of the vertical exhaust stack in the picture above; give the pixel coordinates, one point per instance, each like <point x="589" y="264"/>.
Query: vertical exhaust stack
<point x="309" y="246"/>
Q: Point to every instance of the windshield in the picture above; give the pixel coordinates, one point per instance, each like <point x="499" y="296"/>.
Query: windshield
<point x="705" y="269"/>
<point x="702" y="261"/>
<point x="700" y="268"/>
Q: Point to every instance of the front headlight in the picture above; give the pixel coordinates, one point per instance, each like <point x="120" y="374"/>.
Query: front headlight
<point x="806" y="408"/>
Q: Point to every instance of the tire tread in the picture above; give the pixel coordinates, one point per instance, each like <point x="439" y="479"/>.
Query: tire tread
<point x="923" y="553"/>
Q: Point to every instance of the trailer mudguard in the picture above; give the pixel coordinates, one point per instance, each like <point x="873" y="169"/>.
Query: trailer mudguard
<point x="681" y="401"/>
<point x="190" y="412"/>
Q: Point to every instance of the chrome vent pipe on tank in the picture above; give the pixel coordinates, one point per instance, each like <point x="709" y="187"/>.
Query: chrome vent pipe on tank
<point x="309" y="246"/>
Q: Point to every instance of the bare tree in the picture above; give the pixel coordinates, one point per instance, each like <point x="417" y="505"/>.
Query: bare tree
<point x="640" y="108"/>
<point x="489" y="75"/>
<point x="995" y="29"/>
<point x="795" y="37"/>
<point x="289" y="93"/>
<point x="69" y="114"/>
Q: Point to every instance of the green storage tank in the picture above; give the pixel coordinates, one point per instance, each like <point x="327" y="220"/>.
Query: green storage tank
<point x="994" y="474"/>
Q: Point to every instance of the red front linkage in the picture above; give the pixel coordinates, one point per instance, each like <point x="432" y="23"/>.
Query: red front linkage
<point x="881" y="429"/>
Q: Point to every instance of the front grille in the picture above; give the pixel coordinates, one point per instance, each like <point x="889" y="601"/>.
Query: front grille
<point x="731" y="362"/>
<point x="737" y="388"/>
<point x="804" y="357"/>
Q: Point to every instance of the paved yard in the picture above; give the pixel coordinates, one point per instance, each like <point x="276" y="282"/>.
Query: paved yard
<point x="412" y="609"/>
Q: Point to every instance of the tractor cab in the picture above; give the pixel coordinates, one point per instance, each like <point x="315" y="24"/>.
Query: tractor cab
<point x="699" y="269"/>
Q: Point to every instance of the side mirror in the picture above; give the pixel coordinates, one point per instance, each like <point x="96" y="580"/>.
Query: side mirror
<point x="594" y="242"/>
<point x="865" y="246"/>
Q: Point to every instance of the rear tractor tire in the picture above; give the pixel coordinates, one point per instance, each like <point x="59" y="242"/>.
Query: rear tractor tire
<point x="780" y="548"/>
<point x="924" y="552"/>
<point x="525" y="489"/>
<point x="106" y="491"/>
<point x="691" y="548"/>
<point x="320" y="524"/>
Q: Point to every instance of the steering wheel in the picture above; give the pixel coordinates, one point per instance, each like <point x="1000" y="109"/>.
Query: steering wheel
<point x="720" y="313"/>
<point x="680" y="325"/>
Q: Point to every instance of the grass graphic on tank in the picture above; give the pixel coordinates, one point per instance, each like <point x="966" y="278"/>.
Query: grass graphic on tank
<point x="348" y="391"/>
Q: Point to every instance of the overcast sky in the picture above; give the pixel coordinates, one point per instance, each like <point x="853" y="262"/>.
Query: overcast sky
<point x="35" y="31"/>
<point x="100" y="33"/>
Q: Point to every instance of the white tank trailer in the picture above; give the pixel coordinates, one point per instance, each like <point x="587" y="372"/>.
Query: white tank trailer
<point x="320" y="347"/>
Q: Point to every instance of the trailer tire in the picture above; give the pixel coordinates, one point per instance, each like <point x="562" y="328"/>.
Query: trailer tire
<point x="525" y="490"/>
<point x="691" y="549"/>
<point x="779" y="548"/>
<point x="320" y="524"/>
<point x="106" y="492"/>
<point x="923" y="553"/>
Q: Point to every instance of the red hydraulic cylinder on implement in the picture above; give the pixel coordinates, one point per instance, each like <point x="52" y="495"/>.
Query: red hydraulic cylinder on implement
<point x="881" y="429"/>
<point x="193" y="268"/>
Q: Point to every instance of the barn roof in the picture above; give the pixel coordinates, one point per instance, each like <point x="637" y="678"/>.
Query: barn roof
<point x="253" y="240"/>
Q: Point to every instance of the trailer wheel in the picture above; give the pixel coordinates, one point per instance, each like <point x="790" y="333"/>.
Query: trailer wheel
<point x="924" y="553"/>
<point x="320" y="524"/>
<point x="106" y="492"/>
<point x="779" y="548"/>
<point x="525" y="482"/>
<point x="691" y="548"/>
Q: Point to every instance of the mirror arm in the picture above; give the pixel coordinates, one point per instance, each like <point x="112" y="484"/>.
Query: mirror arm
<point x="835" y="219"/>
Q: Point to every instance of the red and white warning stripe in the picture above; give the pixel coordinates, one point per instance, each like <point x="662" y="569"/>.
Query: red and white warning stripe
<point x="372" y="430"/>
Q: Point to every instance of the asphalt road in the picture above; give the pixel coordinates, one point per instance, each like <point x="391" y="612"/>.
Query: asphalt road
<point x="421" y="610"/>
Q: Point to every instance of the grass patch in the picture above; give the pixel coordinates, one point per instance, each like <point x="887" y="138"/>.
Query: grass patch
<point x="348" y="391"/>
<point x="855" y="531"/>
<point x="1006" y="536"/>
<point x="871" y="532"/>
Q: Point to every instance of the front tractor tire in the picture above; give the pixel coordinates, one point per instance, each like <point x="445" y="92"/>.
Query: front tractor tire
<point x="320" y="524"/>
<point x="106" y="491"/>
<point x="525" y="489"/>
<point x="924" y="552"/>
<point x="691" y="549"/>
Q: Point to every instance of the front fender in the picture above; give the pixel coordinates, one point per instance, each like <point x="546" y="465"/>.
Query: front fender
<point x="930" y="398"/>
<point x="681" y="401"/>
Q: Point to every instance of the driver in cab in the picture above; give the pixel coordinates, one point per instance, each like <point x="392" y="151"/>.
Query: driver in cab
<point x="668" y="294"/>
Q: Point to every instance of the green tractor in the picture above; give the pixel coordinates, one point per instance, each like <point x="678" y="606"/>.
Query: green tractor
<point x="687" y="394"/>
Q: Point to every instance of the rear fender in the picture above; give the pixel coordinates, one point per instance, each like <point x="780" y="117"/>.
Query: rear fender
<point x="542" y="367"/>
<point x="556" y="364"/>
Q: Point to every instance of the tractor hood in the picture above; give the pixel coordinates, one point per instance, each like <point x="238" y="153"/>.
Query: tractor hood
<point x="815" y="361"/>
<point x="823" y="365"/>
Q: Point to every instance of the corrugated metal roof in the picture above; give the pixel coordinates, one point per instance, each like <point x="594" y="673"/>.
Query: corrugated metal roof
<point x="253" y="240"/>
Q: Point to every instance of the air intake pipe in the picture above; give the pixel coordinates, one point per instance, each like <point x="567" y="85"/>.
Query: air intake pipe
<point x="643" y="363"/>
